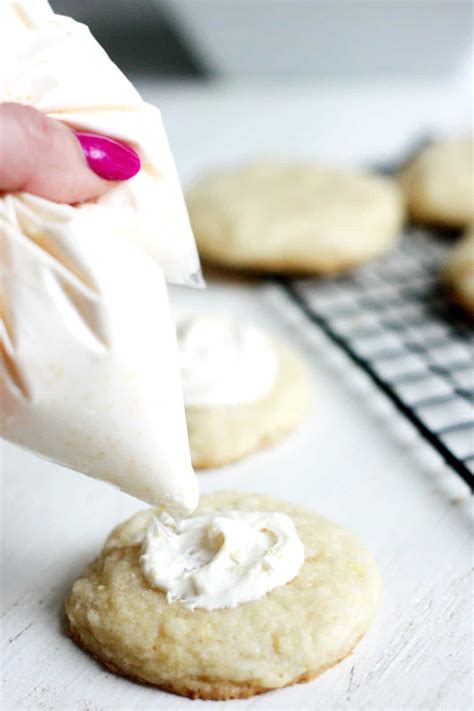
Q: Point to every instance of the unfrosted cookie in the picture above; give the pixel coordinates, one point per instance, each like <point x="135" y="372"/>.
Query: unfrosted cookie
<point x="292" y="634"/>
<point x="459" y="272"/>
<point x="277" y="217"/>
<point x="439" y="184"/>
<point x="243" y="389"/>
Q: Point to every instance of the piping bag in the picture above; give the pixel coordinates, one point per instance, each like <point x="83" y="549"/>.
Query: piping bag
<point x="89" y="367"/>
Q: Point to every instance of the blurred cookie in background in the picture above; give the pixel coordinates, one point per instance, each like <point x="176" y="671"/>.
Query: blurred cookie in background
<point x="243" y="389"/>
<point x="294" y="218"/>
<point x="439" y="184"/>
<point x="459" y="272"/>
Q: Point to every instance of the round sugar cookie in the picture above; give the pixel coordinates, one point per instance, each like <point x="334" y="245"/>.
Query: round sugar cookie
<point x="459" y="272"/>
<point x="251" y="390"/>
<point x="292" y="634"/>
<point x="439" y="184"/>
<point x="290" y="218"/>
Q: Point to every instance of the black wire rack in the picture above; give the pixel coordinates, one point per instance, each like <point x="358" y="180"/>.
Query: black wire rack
<point x="392" y="319"/>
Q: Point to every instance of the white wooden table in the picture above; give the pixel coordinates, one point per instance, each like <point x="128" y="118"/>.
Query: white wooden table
<point x="354" y="460"/>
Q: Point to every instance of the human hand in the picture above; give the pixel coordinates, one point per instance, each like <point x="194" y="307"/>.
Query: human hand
<point x="44" y="157"/>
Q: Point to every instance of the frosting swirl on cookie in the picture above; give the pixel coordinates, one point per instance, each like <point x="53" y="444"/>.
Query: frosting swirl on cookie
<point x="220" y="559"/>
<point x="224" y="362"/>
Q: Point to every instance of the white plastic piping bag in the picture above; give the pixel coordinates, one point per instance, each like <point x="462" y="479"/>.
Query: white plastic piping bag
<point x="53" y="63"/>
<point x="89" y="368"/>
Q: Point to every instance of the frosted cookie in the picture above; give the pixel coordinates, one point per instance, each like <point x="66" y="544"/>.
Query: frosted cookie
<point x="459" y="272"/>
<point x="137" y="613"/>
<point x="243" y="390"/>
<point x="277" y="217"/>
<point x="439" y="184"/>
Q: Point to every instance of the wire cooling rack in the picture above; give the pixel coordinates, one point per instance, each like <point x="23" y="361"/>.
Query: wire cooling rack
<point x="393" y="320"/>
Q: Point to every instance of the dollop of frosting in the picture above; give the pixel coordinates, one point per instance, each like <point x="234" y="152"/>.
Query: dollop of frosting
<point x="218" y="560"/>
<point x="224" y="362"/>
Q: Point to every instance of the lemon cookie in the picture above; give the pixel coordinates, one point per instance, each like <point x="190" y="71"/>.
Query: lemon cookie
<point x="243" y="390"/>
<point x="150" y="631"/>
<point x="276" y="217"/>
<point x="439" y="183"/>
<point x="459" y="272"/>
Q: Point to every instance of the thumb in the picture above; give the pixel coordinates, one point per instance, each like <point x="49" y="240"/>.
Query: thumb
<point x="42" y="156"/>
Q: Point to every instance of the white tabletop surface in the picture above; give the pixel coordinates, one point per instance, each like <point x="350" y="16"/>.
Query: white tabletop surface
<point x="353" y="460"/>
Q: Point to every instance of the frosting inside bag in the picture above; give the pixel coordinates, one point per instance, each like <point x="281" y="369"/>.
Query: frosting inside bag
<point x="89" y="367"/>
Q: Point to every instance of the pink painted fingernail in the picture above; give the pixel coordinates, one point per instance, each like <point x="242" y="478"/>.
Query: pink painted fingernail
<point x="108" y="158"/>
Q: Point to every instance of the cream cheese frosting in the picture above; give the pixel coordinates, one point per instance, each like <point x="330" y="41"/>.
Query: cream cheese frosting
<point x="224" y="361"/>
<point x="218" y="560"/>
<point x="89" y="373"/>
<point x="89" y="363"/>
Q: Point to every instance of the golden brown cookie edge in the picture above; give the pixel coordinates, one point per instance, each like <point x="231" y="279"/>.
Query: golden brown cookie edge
<point x="220" y="691"/>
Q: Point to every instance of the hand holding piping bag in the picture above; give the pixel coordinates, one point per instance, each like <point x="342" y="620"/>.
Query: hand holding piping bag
<point x="42" y="156"/>
<point x="91" y="232"/>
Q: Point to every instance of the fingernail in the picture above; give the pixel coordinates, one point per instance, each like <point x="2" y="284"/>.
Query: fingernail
<point x="108" y="158"/>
